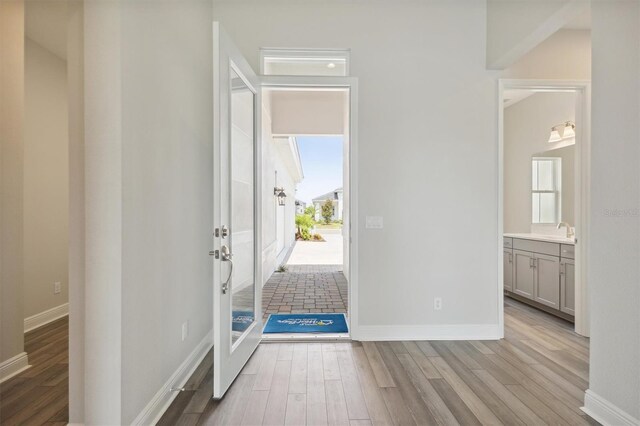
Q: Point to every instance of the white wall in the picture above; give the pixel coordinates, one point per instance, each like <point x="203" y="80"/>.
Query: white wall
<point x="46" y="180"/>
<point x="413" y="89"/>
<point x="526" y="132"/>
<point x="564" y="55"/>
<point x="615" y="199"/>
<point x="11" y="171"/>
<point x="275" y="244"/>
<point x="515" y="27"/>
<point x="148" y="69"/>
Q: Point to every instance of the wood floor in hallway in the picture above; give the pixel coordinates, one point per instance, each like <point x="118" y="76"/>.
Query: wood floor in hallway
<point x="536" y="375"/>
<point x="40" y="394"/>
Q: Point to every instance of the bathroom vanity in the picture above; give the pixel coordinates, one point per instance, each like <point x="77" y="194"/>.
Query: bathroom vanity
<point x="540" y="270"/>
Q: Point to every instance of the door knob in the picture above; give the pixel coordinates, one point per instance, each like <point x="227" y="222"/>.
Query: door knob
<point x="225" y="253"/>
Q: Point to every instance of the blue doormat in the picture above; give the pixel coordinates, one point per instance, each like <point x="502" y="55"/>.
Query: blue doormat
<point x="306" y="323"/>
<point x="241" y="320"/>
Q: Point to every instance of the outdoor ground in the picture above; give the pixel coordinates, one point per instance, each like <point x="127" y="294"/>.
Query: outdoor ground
<point x="313" y="282"/>
<point x="328" y="252"/>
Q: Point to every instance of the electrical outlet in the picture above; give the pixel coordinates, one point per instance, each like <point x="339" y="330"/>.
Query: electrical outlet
<point x="437" y="303"/>
<point x="185" y="330"/>
<point x="57" y="287"/>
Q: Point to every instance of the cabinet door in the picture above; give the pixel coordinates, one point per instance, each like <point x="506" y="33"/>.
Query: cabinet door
<point x="568" y="286"/>
<point x="547" y="280"/>
<point x="523" y="273"/>
<point x="508" y="270"/>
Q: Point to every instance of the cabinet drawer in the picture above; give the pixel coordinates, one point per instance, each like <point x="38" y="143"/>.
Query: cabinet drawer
<point x="568" y="251"/>
<point x="543" y="247"/>
<point x="508" y="242"/>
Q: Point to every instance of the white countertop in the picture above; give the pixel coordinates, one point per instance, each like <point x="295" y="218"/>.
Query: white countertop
<point x="540" y="237"/>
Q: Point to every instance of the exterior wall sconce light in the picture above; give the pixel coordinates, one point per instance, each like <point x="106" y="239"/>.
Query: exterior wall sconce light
<point x="279" y="192"/>
<point x="568" y="131"/>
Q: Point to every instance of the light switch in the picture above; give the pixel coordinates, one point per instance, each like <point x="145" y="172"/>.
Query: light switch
<point x="374" y="222"/>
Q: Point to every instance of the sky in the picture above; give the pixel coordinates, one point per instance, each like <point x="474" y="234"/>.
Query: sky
<point x="321" y="158"/>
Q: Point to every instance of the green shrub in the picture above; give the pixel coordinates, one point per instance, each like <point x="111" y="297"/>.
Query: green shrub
<point x="327" y="211"/>
<point x="310" y="211"/>
<point x="305" y="234"/>
<point x="303" y="221"/>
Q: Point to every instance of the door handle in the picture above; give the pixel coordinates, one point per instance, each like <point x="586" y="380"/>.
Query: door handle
<point x="225" y="255"/>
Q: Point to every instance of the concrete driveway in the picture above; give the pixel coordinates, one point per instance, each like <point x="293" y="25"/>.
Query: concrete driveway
<point x="328" y="252"/>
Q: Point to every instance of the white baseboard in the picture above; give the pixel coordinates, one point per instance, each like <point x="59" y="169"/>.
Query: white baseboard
<point x="605" y="412"/>
<point x="426" y="332"/>
<point x="13" y="366"/>
<point x="164" y="397"/>
<point x="43" y="318"/>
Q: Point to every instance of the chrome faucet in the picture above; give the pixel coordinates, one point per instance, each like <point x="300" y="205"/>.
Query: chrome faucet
<point x="570" y="231"/>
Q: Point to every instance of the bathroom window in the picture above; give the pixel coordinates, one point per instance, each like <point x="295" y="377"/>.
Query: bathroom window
<point x="546" y="190"/>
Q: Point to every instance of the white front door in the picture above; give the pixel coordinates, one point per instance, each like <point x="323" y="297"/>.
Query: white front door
<point x="237" y="317"/>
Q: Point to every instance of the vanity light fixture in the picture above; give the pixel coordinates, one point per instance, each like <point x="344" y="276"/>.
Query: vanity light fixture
<point x="279" y="192"/>
<point x="568" y="131"/>
<point x="554" y="136"/>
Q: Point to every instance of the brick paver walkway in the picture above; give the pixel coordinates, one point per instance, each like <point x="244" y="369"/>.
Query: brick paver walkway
<point x="306" y="289"/>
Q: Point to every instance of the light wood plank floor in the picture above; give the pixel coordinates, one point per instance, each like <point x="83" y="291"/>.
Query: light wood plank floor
<point x="536" y="375"/>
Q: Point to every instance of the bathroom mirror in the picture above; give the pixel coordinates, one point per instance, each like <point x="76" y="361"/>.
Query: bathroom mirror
<point x="552" y="186"/>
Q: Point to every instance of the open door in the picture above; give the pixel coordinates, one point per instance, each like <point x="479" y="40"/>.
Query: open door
<point x="237" y="289"/>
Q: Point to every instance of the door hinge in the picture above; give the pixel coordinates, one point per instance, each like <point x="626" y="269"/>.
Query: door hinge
<point x="215" y="254"/>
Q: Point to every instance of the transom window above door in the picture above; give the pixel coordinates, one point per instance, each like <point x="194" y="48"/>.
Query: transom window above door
<point x="309" y="62"/>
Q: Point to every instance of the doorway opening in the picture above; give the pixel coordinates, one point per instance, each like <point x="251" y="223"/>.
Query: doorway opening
<point x="543" y="200"/>
<point x="305" y="151"/>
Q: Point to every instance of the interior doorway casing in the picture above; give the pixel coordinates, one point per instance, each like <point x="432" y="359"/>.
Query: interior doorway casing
<point x="350" y="172"/>
<point x="582" y="89"/>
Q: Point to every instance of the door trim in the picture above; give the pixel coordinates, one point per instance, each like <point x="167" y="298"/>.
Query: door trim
<point x="337" y="82"/>
<point x="582" y="88"/>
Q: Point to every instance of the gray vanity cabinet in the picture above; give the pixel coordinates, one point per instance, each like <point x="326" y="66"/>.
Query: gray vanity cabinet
<point x="547" y="280"/>
<point x="567" y="286"/>
<point x="508" y="269"/>
<point x="523" y="273"/>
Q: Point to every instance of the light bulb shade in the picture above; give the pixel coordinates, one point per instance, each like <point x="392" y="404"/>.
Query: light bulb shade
<point x="554" y="136"/>
<point x="569" y="131"/>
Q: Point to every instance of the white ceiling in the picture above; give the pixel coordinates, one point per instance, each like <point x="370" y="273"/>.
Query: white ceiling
<point x="46" y="24"/>
<point x="513" y="96"/>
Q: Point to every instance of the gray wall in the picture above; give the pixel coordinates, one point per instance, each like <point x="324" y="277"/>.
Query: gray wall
<point x="148" y="68"/>
<point x="11" y="171"/>
<point x="46" y="180"/>
<point x="615" y="198"/>
<point x="413" y="89"/>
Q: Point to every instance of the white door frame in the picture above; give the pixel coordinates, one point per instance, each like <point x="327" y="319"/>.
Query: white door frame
<point x="582" y="88"/>
<point x="338" y="82"/>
